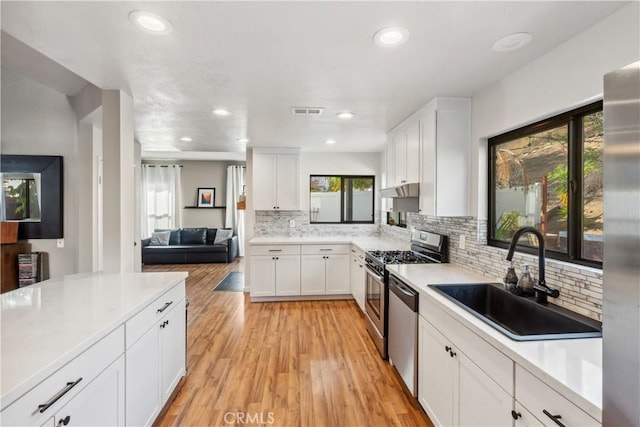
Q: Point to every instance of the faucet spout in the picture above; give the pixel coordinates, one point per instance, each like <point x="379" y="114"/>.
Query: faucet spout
<point x="542" y="290"/>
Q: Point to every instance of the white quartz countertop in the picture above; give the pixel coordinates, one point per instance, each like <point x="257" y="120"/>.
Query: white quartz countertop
<point x="572" y="367"/>
<point x="47" y="324"/>
<point x="369" y="243"/>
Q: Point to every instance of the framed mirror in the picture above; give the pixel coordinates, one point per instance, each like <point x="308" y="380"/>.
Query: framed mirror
<point x="32" y="195"/>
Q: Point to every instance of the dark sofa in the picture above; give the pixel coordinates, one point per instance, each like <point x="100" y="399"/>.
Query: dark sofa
<point x="190" y="246"/>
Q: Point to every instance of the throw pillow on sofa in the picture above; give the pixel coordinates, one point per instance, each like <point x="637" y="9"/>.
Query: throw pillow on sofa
<point x="223" y="234"/>
<point x="160" y="238"/>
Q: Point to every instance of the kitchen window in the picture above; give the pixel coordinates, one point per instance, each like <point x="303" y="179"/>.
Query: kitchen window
<point x="341" y="199"/>
<point x="549" y="175"/>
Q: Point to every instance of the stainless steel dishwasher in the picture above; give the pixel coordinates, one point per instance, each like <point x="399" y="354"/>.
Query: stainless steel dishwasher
<point x="403" y="332"/>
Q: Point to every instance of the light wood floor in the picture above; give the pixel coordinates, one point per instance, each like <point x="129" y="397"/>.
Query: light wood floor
<point x="282" y="364"/>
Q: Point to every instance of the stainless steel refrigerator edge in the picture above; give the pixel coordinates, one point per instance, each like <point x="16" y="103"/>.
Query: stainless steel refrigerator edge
<point x="621" y="306"/>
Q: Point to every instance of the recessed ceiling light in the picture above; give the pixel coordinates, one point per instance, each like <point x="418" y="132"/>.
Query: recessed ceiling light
<point x="391" y="36"/>
<point x="242" y="140"/>
<point x="330" y="141"/>
<point x="512" y="42"/>
<point x="186" y="139"/>
<point x="150" y="22"/>
<point x="221" y="112"/>
<point x="345" y="115"/>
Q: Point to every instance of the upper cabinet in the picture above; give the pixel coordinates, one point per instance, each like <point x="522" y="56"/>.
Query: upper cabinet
<point x="432" y="147"/>
<point x="276" y="180"/>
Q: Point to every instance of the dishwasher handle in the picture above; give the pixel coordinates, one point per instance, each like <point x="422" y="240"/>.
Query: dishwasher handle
<point x="404" y="292"/>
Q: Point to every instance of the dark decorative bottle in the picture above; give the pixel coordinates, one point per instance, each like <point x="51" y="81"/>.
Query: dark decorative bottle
<point x="511" y="279"/>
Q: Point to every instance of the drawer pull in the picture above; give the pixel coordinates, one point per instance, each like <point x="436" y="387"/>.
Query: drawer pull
<point x="447" y="348"/>
<point x="275" y="250"/>
<point x="326" y="249"/>
<point x="64" y="421"/>
<point x="515" y="415"/>
<point x="164" y="307"/>
<point x="43" y="407"/>
<point x="554" y="418"/>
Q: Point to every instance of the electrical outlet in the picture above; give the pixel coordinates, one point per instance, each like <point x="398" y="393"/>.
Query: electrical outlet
<point x="292" y="223"/>
<point x="463" y="242"/>
<point x="60" y="243"/>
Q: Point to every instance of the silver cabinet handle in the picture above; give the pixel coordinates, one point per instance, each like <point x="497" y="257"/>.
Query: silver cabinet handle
<point x="44" y="406"/>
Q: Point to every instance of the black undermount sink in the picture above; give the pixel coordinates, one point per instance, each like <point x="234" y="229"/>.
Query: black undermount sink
<point x="519" y="318"/>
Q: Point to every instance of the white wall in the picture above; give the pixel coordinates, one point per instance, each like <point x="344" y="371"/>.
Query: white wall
<point x="37" y="120"/>
<point x="562" y="79"/>
<point x="337" y="164"/>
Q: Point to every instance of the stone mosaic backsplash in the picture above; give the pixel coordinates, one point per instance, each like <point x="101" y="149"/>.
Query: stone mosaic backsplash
<point x="276" y="223"/>
<point x="580" y="287"/>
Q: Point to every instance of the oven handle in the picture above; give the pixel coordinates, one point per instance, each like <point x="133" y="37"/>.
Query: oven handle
<point x="374" y="274"/>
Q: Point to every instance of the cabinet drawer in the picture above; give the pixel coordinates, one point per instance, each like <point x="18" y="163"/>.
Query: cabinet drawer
<point x="80" y="371"/>
<point x="148" y="316"/>
<point x="493" y="362"/>
<point x="275" y="250"/>
<point x="538" y="397"/>
<point x="357" y="253"/>
<point x="325" y="249"/>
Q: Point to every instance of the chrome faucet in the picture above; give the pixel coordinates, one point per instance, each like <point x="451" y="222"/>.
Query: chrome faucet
<point x="541" y="288"/>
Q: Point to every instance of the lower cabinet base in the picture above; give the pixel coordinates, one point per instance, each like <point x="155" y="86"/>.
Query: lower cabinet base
<point x="301" y="298"/>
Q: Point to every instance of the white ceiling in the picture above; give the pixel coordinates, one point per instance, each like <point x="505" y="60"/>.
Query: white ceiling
<point x="259" y="59"/>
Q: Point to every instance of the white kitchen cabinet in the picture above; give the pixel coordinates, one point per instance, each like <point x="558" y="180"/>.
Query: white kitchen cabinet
<point x="542" y="403"/>
<point x="444" y="168"/>
<point x="100" y="403"/>
<point x="156" y="360"/>
<point x="276" y="179"/>
<point x="79" y="389"/>
<point x="358" y="277"/>
<point x="389" y="163"/>
<point x="325" y="270"/>
<point x="452" y="389"/>
<point x="403" y="154"/>
<point x="414" y="136"/>
<point x="524" y="418"/>
<point x="275" y="270"/>
<point x="400" y="156"/>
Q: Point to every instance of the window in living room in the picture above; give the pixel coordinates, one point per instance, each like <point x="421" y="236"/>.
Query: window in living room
<point x="161" y="198"/>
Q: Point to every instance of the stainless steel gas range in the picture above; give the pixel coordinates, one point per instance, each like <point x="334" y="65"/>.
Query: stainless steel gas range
<point x="426" y="248"/>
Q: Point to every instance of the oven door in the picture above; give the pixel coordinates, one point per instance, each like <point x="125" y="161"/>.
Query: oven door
<point x="375" y="308"/>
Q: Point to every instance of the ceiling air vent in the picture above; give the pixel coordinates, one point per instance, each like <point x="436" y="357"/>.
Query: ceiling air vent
<point x="306" y="111"/>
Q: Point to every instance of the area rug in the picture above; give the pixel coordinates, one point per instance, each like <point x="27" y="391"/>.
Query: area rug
<point x="233" y="282"/>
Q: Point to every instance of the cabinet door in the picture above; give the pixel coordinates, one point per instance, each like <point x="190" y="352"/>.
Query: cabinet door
<point x="427" y="199"/>
<point x="143" y="379"/>
<point x="413" y="152"/>
<point x="436" y="375"/>
<point x="172" y="350"/>
<point x="481" y="401"/>
<point x="312" y="275"/>
<point x="337" y="275"/>
<point x="400" y="153"/>
<point x="263" y="276"/>
<point x="101" y="403"/>
<point x="264" y="181"/>
<point x="390" y="164"/>
<point x="525" y="418"/>
<point x="452" y="162"/>
<point x="357" y="281"/>
<point x="287" y="182"/>
<point x="287" y="275"/>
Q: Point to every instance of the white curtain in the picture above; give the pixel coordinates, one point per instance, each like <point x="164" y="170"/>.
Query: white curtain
<point x="161" y="205"/>
<point x="235" y="217"/>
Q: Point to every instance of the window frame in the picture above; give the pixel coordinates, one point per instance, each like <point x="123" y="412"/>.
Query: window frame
<point x="342" y="194"/>
<point x="575" y="146"/>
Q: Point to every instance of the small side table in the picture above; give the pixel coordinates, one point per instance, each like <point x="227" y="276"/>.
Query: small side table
<point x="9" y="272"/>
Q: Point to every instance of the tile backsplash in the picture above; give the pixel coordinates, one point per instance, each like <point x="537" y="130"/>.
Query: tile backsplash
<point x="276" y="223"/>
<point x="580" y="287"/>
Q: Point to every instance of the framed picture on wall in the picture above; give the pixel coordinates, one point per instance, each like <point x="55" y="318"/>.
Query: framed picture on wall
<point x="206" y="197"/>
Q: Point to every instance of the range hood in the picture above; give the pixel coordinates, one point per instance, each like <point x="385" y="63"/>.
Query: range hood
<point x="402" y="191"/>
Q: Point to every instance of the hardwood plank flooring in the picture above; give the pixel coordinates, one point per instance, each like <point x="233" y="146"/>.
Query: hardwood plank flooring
<point x="299" y="363"/>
